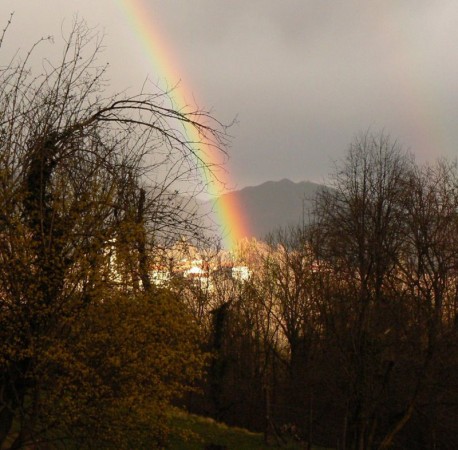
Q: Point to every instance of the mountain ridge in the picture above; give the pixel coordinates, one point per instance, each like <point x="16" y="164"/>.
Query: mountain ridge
<point x="271" y="204"/>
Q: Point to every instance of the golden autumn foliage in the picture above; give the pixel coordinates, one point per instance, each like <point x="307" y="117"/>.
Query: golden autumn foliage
<point x="116" y="371"/>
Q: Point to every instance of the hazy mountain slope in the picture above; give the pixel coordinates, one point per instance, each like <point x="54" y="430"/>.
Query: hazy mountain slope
<point x="273" y="204"/>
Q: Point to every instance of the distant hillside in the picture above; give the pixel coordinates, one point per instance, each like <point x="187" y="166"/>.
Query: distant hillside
<point x="272" y="204"/>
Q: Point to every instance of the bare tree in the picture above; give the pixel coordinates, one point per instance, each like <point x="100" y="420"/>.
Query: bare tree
<point x="85" y="193"/>
<point x="359" y="233"/>
<point x="427" y="272"/>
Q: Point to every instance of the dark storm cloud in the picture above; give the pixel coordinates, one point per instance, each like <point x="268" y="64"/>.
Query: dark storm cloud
<point x="303" y="77"/>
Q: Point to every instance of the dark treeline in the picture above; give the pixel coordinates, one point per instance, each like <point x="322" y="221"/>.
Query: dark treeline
<point x="346" y="332"/>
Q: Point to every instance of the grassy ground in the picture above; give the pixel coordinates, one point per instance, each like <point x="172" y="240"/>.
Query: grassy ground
<point x="195" y="432"/>
<point x="191" y="432"/>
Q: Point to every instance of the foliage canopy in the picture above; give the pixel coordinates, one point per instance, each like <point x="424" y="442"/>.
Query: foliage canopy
<point x="86" y="342"/>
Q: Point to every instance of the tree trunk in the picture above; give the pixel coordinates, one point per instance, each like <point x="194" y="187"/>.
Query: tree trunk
<point x="143" y="266"/>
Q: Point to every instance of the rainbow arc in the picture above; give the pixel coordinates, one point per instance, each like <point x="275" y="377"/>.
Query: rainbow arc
<point x="230" y="216"/>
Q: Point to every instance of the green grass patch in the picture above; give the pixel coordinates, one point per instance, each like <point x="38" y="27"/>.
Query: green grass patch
<point x="193" y="432"/>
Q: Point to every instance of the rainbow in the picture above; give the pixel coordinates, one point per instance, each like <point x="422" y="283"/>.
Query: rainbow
<point x="230" y="217"/>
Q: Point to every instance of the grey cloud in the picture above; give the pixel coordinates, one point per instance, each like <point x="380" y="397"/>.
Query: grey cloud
<point x="303" y="76"/>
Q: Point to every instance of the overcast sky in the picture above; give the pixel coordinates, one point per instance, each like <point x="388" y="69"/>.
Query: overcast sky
<point x="303" y="77"/>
